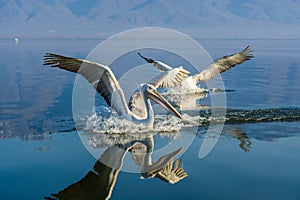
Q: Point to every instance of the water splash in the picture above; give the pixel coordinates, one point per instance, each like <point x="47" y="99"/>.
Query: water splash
<point x="106" y="122"/>
<point x="105" y="128"/>
<point x="115" y="125"/>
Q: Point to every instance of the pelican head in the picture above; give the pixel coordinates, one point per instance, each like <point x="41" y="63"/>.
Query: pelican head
<point x="151" y="93"/>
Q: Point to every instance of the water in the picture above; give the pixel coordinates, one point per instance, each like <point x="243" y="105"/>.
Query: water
<point x="255" y="157"/>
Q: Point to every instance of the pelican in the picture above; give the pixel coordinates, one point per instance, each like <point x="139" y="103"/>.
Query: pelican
<point x="219" y="66"/>
<point x="166" y="79"/>
<point x="164" y="168"/>
<point x="105" y="82"/>
<point x="100" y="181"/>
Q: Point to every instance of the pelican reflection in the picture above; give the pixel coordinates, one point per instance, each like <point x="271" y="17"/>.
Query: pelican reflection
<point x="100" y="181"/>
<point x="245" y="142"/>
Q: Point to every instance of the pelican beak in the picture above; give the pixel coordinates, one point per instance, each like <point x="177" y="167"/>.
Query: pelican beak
<point x="158" y="98"/>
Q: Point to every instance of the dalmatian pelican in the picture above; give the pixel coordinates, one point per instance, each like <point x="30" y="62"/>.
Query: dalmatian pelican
<point x="105" y="82"/>
<point x="219" y="66"/>
<point x="100" y="181"/>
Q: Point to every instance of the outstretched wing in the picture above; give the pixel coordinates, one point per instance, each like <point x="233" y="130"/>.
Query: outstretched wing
<point x="171" y="78"/>
<point x="223" y="64"/>
<point x="101" y="76"/>
<point x="99" y="182"/>
<point x="158" y="64"/>
<point x="170" y="174"/>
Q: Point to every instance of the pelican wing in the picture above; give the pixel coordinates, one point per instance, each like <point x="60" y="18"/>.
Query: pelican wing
<point x="101" y="76"/>
<point x="172" y="173"/>
<point x="223" y="64"/>
<point x="99" y="182"/>
<point x="171" y="78"/>
<point x="162" y="161"/>
<point x="158" y="64"/>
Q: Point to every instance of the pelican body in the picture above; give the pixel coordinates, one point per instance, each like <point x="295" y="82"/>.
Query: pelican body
<point x="105" y="82"/>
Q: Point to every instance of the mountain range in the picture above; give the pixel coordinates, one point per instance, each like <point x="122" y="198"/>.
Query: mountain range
<point x="204" y="18"/>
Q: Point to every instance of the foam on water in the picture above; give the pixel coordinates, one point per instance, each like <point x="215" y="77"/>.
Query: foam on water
<point x="105" y="128"/>
<point x="162" y="123"/>
<point x="103" y="121"/>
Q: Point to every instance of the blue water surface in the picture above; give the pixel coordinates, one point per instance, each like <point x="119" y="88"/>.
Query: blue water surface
<point x="256" y="156"/>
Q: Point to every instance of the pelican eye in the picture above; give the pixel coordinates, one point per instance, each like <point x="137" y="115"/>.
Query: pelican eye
<point x="149" y="88"/>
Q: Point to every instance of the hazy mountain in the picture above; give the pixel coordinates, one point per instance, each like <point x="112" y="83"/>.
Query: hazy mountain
<point x="206" y="18"/>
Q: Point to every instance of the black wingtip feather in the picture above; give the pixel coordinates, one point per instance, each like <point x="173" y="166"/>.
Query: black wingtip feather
<point x="149" y="60"/>
<point x="247" y="52"/>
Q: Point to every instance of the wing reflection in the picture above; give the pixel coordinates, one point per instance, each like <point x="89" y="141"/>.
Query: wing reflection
<point x="245" y="142"/>
<point x="99" y="182"/>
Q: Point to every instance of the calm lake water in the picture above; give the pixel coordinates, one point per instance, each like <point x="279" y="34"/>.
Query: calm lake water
<point x="256" y="157"/>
